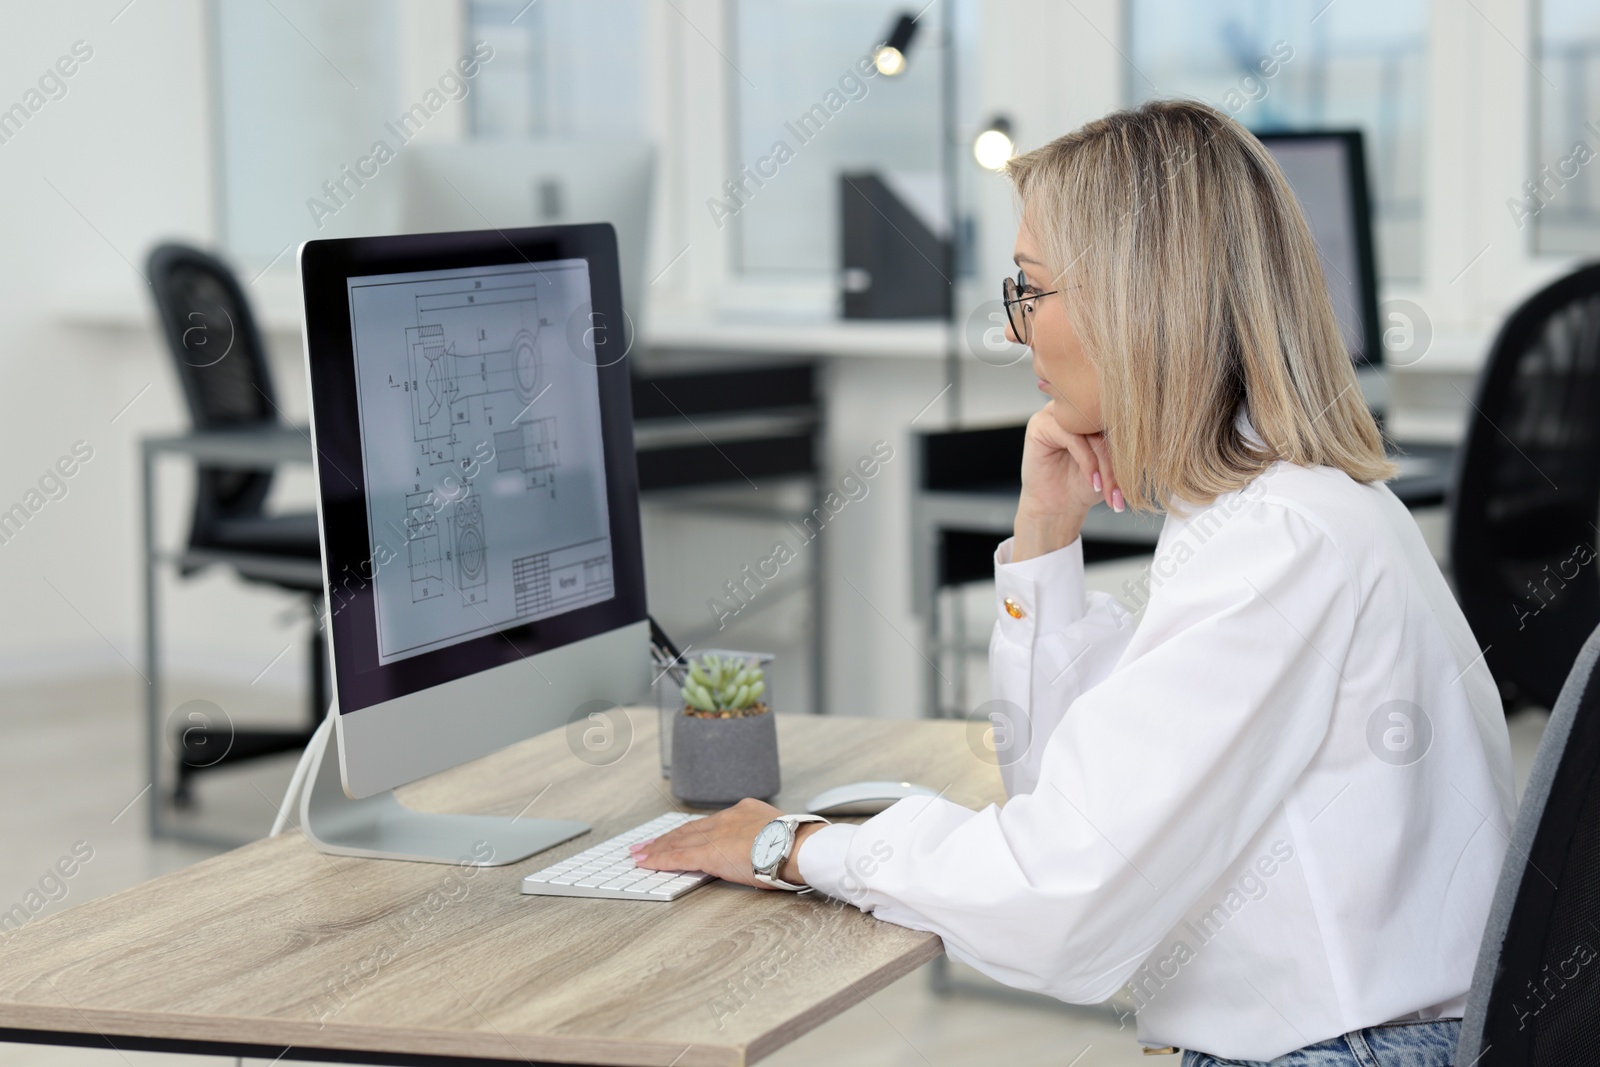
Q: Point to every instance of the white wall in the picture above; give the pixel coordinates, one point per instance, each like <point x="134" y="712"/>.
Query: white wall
<point x="128" y="152"/>
<point x="90" y="182"/>
<point x="129" y="148"/>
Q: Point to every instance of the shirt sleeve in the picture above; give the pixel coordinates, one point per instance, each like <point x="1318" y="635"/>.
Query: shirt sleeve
<point x="1149" y="785"/>
<point x="1052" y="641"/>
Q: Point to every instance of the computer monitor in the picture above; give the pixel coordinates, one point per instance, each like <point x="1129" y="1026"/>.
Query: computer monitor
<point x="479" y="513"/>
<point x="470" y="185"/>
<point x="1328" y="171"/>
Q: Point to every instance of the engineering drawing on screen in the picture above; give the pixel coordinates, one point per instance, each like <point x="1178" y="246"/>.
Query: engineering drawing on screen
<point x="483" y="459"/>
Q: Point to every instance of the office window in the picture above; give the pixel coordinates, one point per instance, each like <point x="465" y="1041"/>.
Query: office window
<point x="562" y="68"/>
<point x="1354" y="63"/>
<point x="789" y="56"/>
<point x="304" y="89"/>
<point x="1562" y="204"/>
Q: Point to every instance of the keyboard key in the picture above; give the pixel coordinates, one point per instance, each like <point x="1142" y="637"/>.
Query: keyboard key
<point x="608" y="870"/>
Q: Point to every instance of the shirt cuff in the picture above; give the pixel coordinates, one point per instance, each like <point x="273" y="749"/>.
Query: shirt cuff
<point x="822" y="858"/>
<point x="1044" y="594"/>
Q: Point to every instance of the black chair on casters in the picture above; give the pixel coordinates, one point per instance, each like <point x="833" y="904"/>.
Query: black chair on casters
<point x="1535" y="996"/>
<point x="222" y="366"/>
<point x="1527" y="492"/>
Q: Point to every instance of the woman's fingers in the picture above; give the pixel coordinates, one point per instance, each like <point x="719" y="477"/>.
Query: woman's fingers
<point x="1044" y="427"/>
<point x="1083" y="455"/>
<point x="1092" y="455"/>
<point x="1056" y="469"/>
<point x="717" y="844"/>
<point x="694" y="850"/>
<point x="1107" y="477"/>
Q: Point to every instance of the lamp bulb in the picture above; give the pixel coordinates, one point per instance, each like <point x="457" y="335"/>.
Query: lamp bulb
<point x="889" y="60"/>
<point x="992" y="148"/>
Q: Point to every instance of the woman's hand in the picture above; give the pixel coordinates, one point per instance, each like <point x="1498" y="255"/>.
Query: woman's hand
<point x="1063" y="475"/>
<point x="720" y="845"/>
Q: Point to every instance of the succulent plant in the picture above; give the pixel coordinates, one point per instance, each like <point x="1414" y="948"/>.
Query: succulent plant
<point x="723" y="685"/>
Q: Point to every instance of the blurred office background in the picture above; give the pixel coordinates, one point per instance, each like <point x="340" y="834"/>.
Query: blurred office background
<point x="235" y="126"/>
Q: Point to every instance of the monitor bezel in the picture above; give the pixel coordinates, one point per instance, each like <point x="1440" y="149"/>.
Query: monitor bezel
<point x="360" y="681"/>
<point x="1355" y="157"/>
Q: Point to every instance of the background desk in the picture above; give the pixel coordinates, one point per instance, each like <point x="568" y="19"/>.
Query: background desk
<point x="961" y="510"/>
<point x="238" y="450"/>
<point x="241" y="954"/>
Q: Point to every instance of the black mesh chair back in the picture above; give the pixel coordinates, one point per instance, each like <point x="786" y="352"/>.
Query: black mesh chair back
<point x="1527" y="492"/>
<point x="1535" y="996"/>
<point x="222" y="367"/>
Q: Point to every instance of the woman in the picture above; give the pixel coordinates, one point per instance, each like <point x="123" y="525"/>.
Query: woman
<point x="1274" y="806"/>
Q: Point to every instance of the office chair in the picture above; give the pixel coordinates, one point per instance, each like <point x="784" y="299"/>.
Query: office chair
<point x="222" y="367"/>
<point x="1535" y="996"/>
<point x="1526" y="492"/>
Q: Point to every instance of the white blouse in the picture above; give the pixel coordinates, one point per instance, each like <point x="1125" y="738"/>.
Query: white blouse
<point x="1273" y="808"/>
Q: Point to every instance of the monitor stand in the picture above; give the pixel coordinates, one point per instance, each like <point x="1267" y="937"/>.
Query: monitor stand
<point x="380" y="827"/>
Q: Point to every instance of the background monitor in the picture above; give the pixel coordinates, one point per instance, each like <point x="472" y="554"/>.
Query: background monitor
<point x="1328" y="171"/>
<point x="473" y="185"/>
<point x="477" y="493"/>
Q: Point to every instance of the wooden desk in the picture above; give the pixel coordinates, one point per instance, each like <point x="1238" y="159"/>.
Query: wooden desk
<point x="276" y="950"/>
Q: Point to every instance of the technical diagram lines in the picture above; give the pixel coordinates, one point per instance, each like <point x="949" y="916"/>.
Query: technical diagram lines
<point x="423" y="551"/>
<point x="434" y="374"/>
<point x="472" y="353"/>
<point x="562" y="579"/>
<point x="530" y="448"/>
<point x="526" y="365"/>
<point x="474" y="416"/>
<point x="471" y="553"/>
<point x="530" y="581"/>
<point x="433" y="388"/>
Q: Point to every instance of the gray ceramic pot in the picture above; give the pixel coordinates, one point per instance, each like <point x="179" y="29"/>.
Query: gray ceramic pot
<point x="722" y="761"/>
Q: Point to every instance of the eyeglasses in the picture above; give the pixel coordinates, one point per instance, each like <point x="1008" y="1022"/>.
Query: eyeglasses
<point x="1018" y="297"/>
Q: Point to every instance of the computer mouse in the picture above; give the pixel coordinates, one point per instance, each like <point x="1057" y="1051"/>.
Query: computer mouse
<point x="865" y="798"/>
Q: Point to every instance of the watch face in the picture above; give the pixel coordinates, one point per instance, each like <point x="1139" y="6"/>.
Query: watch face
<point x="769" y="846"/>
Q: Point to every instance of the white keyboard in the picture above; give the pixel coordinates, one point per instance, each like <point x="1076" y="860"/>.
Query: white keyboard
<point x="607" y="869"/>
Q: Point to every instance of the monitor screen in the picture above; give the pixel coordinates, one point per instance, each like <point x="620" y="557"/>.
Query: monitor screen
<point x="1327" y="171"/>
<point x="481" y="449"/>
<point x="476" y="483"/>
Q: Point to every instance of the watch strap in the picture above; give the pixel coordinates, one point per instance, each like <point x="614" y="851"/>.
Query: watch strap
<point x="793" y="821"/>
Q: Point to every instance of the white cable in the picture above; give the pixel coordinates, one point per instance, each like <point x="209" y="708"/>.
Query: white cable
<point x="298" y="779"/>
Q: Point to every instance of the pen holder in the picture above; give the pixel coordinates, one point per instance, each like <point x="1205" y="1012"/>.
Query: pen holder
<point x="669" y="702"/>
<point x="720" y="744"/>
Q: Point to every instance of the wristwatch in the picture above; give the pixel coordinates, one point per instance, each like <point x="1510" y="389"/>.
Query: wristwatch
<point x="772" y="848"/>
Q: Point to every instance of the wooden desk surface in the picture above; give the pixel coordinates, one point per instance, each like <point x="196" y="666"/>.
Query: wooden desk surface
<point x="275" y="944"/>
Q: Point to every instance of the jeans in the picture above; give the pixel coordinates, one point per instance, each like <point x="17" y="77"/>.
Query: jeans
<point x="1426" y="1044"/>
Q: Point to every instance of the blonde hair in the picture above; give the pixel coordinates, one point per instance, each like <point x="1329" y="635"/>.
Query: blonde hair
<point x="1195" y="288"/>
